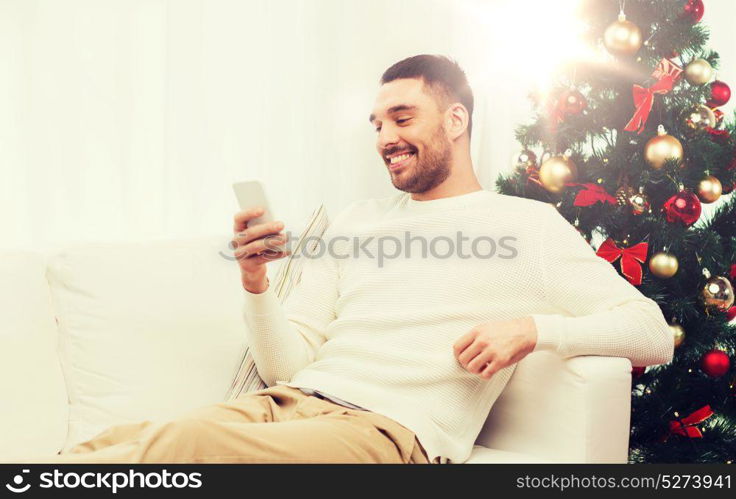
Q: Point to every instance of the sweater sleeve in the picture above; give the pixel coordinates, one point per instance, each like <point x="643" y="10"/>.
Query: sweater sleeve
<point x="600" y="312"/>
<point x="285" y="339"/>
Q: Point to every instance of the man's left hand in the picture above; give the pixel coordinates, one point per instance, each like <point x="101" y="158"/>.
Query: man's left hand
<point x="491" y="346"/>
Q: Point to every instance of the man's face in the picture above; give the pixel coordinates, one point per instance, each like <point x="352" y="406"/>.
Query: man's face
<point x="411" y="137"/>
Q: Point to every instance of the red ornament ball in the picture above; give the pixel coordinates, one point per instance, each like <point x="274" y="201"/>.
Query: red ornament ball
<point x="572" y="102"/>
<point x="694" y="10"/>
<point x="731" y="313"/>
<point x="720" y="94"/>
<point x="683" y="207"/>
<point x="637" y="371"/>
<point x="715" y="363"/>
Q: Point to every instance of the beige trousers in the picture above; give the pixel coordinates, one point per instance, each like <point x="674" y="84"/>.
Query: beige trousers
<point x="279" y="424"/>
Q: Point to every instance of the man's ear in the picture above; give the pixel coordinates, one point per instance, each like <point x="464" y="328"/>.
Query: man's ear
<point x="457" y="119"/>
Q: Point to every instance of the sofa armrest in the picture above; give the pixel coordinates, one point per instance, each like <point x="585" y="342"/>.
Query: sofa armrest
<point x="574" y="410"/>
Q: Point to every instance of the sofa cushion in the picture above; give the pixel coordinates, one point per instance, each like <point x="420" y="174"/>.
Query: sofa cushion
<point x="33" y="399"/>
<point x="147" y="330"/>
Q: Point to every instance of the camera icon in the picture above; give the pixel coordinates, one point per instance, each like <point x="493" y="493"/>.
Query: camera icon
<point x="18" y="486"/>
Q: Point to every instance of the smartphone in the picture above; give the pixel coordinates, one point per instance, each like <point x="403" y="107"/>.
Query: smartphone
<point x="250" y="193"/>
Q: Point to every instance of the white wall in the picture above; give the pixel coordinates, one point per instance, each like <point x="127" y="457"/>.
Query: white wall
<point x="129" y="119"/>
<point x="719" y="16"/>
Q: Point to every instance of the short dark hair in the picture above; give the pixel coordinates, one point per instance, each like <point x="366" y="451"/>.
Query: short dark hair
<point x="444" y="77"/>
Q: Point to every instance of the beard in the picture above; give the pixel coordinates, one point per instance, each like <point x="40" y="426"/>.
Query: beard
<point x="430" y="170"/>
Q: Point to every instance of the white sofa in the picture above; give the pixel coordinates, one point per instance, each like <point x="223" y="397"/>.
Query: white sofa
<point x="101" y="334"/>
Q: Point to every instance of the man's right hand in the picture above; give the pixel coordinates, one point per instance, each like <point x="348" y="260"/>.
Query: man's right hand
<point x="255" y="245"/>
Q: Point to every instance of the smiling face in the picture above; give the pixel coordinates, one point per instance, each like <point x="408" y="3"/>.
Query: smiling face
<point x="411" y="135"/>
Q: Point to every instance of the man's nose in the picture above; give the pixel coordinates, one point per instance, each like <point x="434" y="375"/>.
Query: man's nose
<point x="387" y="137"/>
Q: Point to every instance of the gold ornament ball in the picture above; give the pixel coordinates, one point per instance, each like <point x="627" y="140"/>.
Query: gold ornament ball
<point x="663" y="265"/>
<point x="717" y="294"/>
<point x="555" y="172"/>
<point x="678" y="332"/>
<point x="701" y="118"/>
<point x="662" y="148"/>
<point x="622" y="38"/>
<point x="698" y="72"/>
<point x="709" y="189"/>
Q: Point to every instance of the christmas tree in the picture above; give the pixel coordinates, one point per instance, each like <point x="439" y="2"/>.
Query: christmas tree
<point x="628" y="147"/>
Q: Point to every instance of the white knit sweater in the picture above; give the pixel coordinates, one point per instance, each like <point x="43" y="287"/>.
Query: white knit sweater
<point x="379" y="334"/>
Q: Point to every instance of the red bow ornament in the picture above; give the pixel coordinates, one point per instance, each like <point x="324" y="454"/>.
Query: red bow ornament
<point x="720" y="136"/>
<point x="666" y="74"/>
<point x="591" y="194"/>
<point x="631" y="258"/>
<point x="685" y="426"/>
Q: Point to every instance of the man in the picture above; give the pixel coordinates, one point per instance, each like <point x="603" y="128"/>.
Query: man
<point x="400" y="359"/>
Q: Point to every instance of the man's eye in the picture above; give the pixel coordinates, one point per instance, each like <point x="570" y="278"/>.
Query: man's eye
<point x="402" y="120"/>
